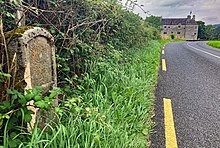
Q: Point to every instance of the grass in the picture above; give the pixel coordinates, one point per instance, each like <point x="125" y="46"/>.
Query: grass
<point x="115" y="105"/>
<point x="215" y="44"/>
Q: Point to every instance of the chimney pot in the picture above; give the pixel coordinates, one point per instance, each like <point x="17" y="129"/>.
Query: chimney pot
<point x="189" y="17"/>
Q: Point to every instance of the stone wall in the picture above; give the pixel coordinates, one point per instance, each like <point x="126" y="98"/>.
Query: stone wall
<point x="177" y="30"/>
<point x="188" y="32"/>
<point x="191" y="32"/>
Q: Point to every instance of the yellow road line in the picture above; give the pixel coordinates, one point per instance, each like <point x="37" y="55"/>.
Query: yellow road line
<point x="170" y="134"/>
<point x="164" y="67"/>
<point x="163" y="52"/>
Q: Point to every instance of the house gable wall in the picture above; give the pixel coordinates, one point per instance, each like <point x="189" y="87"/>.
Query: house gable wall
<point x="191" y="32"/>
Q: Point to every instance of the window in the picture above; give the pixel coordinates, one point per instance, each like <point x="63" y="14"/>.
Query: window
<point x="168" y="26"/>
<point x="194" y="33"/>
<point x="178" y="32"/>
<point x="165" y="33"/>
<point x="171" y="32"/>
<point x="196" y="27"/>
<point x="165" y="26"/>
<point x="179" y="26"/>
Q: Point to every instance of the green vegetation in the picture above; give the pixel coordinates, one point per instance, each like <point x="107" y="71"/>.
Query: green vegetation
<point x="17" y="32"/>
<point x="154" y="21"/>
<point x="172" y="36"/>
<point x="208" y="32"/>
<point x="215" y="44"/>
<point x="114" y="107"/>
<point x="107" y="63"/>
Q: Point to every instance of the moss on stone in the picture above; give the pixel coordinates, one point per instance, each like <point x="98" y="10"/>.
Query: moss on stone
<point x="17" y="32"/>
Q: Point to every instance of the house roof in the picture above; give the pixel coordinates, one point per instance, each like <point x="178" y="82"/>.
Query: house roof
<point x="177" y="21"/>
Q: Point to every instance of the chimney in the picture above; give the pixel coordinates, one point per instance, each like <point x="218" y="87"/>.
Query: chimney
<point x="189" y="17"/>
<point x="194" y="17"/>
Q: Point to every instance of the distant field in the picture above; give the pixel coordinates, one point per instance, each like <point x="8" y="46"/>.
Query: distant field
<point x="215" y="44"/>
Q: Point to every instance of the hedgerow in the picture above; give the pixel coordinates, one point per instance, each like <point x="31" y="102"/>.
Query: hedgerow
<point x="105" y="73"/>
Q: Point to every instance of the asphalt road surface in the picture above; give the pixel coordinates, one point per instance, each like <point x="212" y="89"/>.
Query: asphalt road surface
<point x="192" y="82"/>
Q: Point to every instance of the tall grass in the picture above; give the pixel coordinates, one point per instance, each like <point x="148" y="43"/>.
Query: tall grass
<point x="118" y="97"/>
<point x="215" y="44"/>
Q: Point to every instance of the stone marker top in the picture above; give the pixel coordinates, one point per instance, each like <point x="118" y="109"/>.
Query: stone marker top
<point x="34" y="32"/>
<point x="34" y="50"/>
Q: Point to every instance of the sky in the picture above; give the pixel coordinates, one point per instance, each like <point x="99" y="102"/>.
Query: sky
<point x="205" y="10"/>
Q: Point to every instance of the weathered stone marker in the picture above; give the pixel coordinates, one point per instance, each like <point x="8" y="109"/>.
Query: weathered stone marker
<point x="33" y="50"/>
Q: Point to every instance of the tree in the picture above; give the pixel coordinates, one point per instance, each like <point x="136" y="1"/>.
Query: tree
<point x="202" y="29"/>
<point x="209" y="32"/>
<point x="217" y="32"/>
<point x="154" y="21"/>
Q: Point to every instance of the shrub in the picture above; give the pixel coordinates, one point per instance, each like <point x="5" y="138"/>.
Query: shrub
<point x="172" y="36"/>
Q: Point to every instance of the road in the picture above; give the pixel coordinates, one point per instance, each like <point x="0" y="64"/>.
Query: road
<point x="192" y="83"/>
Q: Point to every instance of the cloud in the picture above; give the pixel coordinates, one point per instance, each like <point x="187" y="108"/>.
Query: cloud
<point x="204" y="10"/>
<point x="168" y="3"/>
<point x="211" y="19"/>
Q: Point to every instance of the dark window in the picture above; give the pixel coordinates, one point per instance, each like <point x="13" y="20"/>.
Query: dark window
<point x="165" y="33"/>
<point x="194" y="33"/>
<point x="179" y="26"/>
<point x="168" y="26"/>
<point x="196" y="27"/>
<point x="178" y="32"/>
<point x="165" y="26"/>
<point x="171" y="32"/>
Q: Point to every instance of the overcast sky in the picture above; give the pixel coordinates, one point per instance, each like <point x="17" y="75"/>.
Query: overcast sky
<point x="205" y="10"/>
